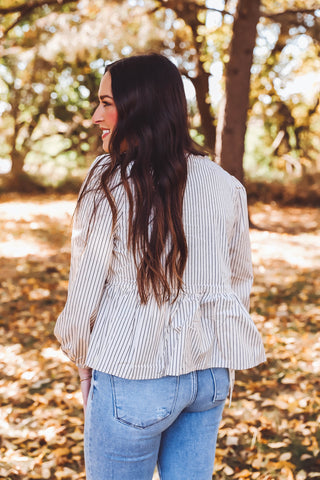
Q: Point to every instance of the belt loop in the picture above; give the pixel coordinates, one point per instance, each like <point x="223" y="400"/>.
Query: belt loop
<point x="195" y="383"/>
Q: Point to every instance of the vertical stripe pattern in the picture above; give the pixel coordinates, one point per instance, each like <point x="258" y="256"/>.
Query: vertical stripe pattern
<point x="105" y="327"/>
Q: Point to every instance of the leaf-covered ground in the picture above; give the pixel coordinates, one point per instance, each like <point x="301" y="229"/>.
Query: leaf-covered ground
<point x="271" y="431"/>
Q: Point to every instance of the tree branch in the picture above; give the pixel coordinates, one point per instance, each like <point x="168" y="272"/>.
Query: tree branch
<point x="278" y="16"/>
<point x="13" y="24"/>
<point x="223" y="12"/>
<point x="23" y="8"/>
<point x="273" y="16"/>
<point x="171" y="4"/>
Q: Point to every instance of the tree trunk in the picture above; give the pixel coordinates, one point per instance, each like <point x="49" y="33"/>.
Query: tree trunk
<point x="190" y="11"/>
<point x="231" y="144"/>
<point x="17" y="163"/>
<point x="201" y="82"/>
<point x="17" y="157"/>
<point x="207" y="128"/>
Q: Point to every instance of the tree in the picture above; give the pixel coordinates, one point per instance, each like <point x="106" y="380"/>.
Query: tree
<point x="238" y="87"/>
<point x="50" y="72"/>
<point x="56" y="37"/>
<point x="291" y="117"/>
<point x="41" y="104"/>
<point x="13" y="14"/>
<point x="193" y="57"/>
<point x="26" y="111"/>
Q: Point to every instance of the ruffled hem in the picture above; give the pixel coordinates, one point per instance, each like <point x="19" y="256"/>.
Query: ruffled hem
<point x="198" y="331"/>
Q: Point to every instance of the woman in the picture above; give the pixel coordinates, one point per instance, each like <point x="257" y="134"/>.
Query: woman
<point x="157" y="312"/>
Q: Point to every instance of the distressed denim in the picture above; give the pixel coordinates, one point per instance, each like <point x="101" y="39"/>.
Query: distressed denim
<point x="132" y="425"/>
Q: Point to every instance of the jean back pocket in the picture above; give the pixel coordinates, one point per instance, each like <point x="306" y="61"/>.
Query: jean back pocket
<point x="143" y="403"/>
<point x="221" y="381"/>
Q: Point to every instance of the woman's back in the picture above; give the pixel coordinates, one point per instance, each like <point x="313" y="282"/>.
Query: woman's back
<point x="211" y="206"/>
<point x="134" y="340"/>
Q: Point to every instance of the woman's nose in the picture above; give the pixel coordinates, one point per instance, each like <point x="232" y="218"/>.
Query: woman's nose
<point x="95" y="116"/>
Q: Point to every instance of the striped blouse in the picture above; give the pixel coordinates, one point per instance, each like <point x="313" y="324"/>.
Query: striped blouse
<point x="104" y="325"/>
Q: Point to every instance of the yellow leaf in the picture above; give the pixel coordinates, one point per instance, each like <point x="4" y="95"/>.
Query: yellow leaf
<point x="301" y="475"/>
<point x="277" y="444"/>
<point x="232" y="440"/>
<point x="281" y="404"/>
<point x="77" y="435"/>
<point x="77" y="449"/>
<point x="61" y="452"/>
<point x="288" y="472"/>
<point x="285" y="456"/>
<point x="228" y="470"/>
<point x="243" y="474"/>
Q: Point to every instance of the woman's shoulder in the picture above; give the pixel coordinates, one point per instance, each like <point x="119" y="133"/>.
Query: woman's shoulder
<point x="92" y="181"/>
<point x="98" y="167"/>
<point x="100" y="161"/>
<point x="208" y="168"/>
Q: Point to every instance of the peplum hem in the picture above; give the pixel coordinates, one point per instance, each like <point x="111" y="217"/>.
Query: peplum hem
<point x="198" y="331"/>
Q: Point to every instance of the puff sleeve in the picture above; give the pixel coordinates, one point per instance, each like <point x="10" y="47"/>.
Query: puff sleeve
<point x="240" y="249"/>
<point x="91" y="252"/>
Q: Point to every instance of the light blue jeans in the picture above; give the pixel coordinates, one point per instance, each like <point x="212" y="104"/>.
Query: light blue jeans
<point x="132" y="425"/>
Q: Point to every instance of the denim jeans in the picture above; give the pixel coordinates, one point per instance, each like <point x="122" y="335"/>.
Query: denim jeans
<point x="132" y="425"/>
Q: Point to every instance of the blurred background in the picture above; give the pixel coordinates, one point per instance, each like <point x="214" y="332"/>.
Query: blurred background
<point x="53" y="54"/>
<point x="251" y="70"/>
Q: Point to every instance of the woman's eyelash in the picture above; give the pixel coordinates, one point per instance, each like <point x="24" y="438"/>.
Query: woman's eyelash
<point x="106" y="104"/>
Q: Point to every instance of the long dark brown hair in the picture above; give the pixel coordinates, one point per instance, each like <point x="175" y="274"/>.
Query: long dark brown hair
<point x="152" y="123"/>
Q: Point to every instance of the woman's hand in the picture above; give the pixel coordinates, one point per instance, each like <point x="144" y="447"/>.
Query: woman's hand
<point x="85" y="383"/>
<point x="85" y="388"/>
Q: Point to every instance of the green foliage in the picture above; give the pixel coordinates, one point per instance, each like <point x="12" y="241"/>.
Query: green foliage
<point x="284" y="89"/>
<point x="53" y="57"/>
<point x="197" y="137"/>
